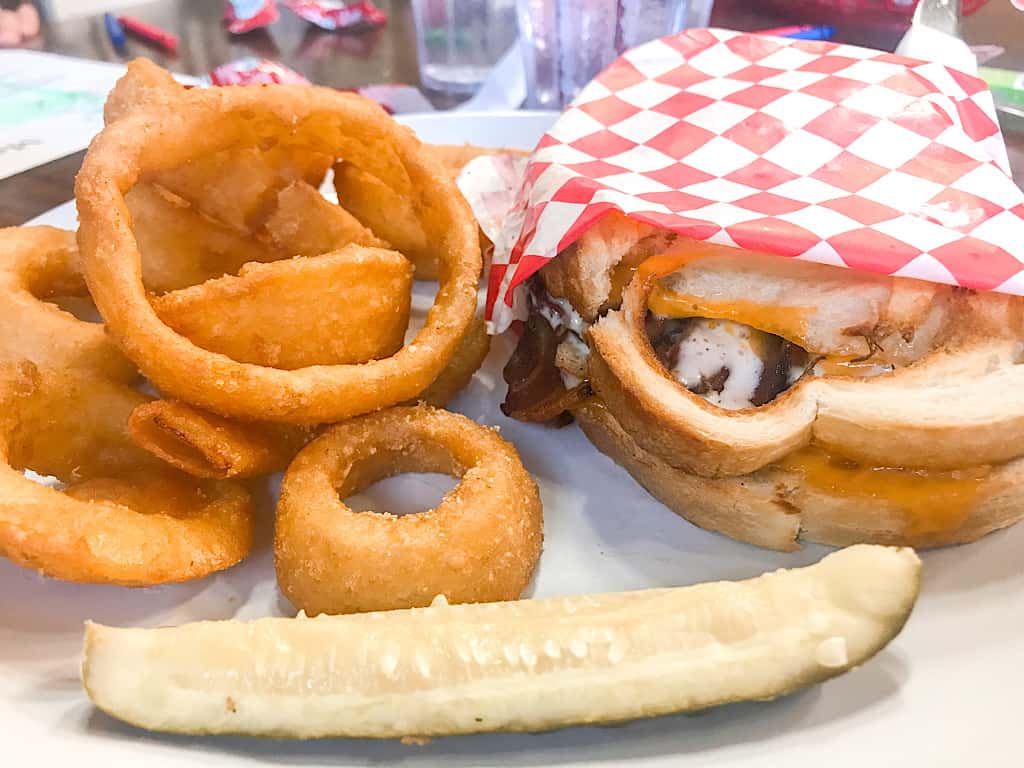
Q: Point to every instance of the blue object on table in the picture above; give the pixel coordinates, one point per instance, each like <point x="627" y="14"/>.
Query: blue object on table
<point x="815" y="33"/>
<point x="801" y="32"/>
<point x="115" y="32"/>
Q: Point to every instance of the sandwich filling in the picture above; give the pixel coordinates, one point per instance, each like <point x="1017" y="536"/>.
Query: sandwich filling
<point x="729" y="364"/>
<point x="546" y="375"/>
<point x="735" y="328"/>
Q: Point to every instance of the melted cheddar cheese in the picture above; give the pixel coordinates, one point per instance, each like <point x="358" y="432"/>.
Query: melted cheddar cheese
<point x="932" y="500"/>
<point x="788" y="322"/>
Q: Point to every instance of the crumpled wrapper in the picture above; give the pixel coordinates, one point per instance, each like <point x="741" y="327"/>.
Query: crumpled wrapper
<point x="334" y="15"/>
<point x="242" y="16"/>
<point x="253" y="71"/>
<point x="810" y="150"/>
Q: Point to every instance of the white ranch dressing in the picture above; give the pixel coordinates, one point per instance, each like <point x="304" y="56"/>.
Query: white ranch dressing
<point x="711" y="345"/>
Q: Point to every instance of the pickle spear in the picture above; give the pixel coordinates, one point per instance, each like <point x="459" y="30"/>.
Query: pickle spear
<point x="528" y="665"/>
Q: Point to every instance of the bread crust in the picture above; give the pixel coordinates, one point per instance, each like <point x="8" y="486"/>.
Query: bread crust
<point x="774" y="508"/>
<point x="583" y="272"/>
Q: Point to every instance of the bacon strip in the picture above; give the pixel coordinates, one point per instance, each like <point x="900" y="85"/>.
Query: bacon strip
<point x="535" y="389"/>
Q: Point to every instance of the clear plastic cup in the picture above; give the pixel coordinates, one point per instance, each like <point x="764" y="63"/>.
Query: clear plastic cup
<point x="566" y="43"/>
<point x="459" y="41"/>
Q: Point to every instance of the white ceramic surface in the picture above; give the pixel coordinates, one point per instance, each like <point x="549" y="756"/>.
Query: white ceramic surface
<point x="945" y="693"/>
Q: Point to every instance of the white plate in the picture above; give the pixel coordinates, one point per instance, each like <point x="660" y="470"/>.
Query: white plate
<point x="945" y="693"/>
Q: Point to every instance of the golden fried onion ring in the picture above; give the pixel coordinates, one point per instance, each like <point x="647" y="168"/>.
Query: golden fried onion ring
<point x="65" y="397"/>
<point x="181" y="246"/>
<point x="348" y="306"/>
<point x="234" y="186"/>
<point x="207" y="445"/>
<point x="480" y="544"/>
<point x="322" y="121"/>
<point x="265" y="315"/>
<point x="361" y="296"/>
<point x="467" y="360"/>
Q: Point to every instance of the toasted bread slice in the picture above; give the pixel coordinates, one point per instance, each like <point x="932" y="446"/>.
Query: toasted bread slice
<point x="825" y="310"/>
<point x="779" y="506"/>
<point x="585" y="273"/>
<point x="963" y="398"/>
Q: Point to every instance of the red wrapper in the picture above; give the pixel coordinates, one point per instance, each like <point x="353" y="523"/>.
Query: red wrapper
<point x="252" y="71"/>
<point x="246" y="15"/>
<point x="396" y="99"/>
<point x="811" y="150"/>
<point x="334" y="15"/>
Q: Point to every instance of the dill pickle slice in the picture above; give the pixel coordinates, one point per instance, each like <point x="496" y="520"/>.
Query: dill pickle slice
<point x="528" y="665"/>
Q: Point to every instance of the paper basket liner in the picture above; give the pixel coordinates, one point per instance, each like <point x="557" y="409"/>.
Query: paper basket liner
<point x="812" y="150"/>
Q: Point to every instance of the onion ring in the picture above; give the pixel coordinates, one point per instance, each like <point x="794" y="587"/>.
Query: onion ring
<point x="321" y="120"/>
<point x="206" y="445"/>
<point x="364" y="294"/>
<point x="263" y="315"/>
<point x="234" y="186"/>
<point x="181" y="246"/>
<point x="480" y="544"/>
<point x="464" y="363"/>
<point x="65" y="397"/>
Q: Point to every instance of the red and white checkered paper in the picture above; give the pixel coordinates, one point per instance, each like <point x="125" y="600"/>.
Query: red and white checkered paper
<point x="812" y="150"/>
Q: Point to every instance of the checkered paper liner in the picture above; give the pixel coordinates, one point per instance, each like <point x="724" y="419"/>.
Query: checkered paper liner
<point x="811" y="150"/>
<point x="490" y="183"/>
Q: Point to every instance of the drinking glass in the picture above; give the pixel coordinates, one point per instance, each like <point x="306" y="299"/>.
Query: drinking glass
<point x="565" y="43"/>
<point x="458" y="41"/>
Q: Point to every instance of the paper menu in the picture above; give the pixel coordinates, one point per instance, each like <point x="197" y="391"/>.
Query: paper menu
<point x="52" y="106"/>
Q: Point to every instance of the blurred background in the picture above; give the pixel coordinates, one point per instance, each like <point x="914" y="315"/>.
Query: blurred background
<point x="417" y="55"/>
<point x="480" y="30"/>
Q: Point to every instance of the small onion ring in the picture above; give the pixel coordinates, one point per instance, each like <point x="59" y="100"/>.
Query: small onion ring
<point x="324" y="121"/>
<point x="480" y="544"/>
<point x="207" y="445"/>
<point x="346" y="306"/>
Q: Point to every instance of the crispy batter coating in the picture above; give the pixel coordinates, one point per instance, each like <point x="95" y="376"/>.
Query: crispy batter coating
<point x="203" y="122"/>
<point x="481" y="543"/>
<point x="66" y="393"/>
